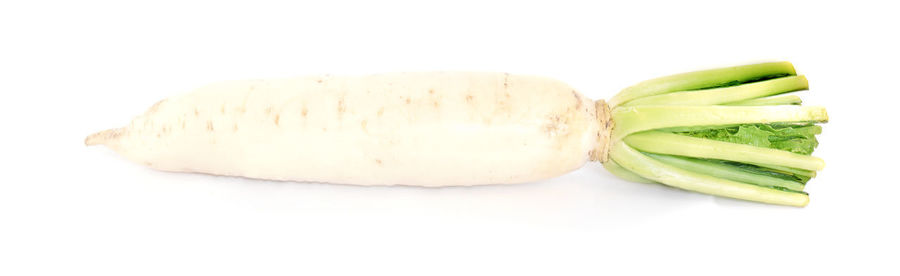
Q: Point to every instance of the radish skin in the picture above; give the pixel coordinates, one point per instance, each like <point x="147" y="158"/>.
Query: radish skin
<point x="421" y="129"/>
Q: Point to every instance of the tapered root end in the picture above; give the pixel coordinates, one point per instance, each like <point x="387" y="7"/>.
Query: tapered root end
<point x="103" y="137"/>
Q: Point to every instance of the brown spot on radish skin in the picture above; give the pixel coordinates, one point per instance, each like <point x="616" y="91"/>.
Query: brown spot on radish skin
<point x="196" y="112"/>
<point x="378" y="161"/>
<point x="469" y="98"/>
<point x="223" y="109"/>
<point x="209" y="126"/>
<point x="183" y="124"/>
<point x="363" y="124"/>
<point x="577" y="99"/>
<point x="408" y="101"/>
<point x="277" y="117"/>
<point x="319" y="81"/>
<point x="436" y="104"/>
<point x="235" y="128"/>
<point x="506" y="86"/>
<point x="380" y="111"/>
<point x="341" y="106"/>
<point x="556" y="126"/>
<point x="304" y="111"/>
<point x="505" y="81"/>
<point x="431" y="91"/>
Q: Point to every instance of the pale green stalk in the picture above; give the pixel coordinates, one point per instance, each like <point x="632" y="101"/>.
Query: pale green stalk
<point x="726" y="94"/>
<point x="701" y="80"/>
<point x="788" y="170"/>
<point x="674" y="144"/>
<point x="726" y="172"/>
<point x="652" y="169"/>
<point x="774" y="100"/>
<point x="617" y="170"/>
<point x="631" y="119"/>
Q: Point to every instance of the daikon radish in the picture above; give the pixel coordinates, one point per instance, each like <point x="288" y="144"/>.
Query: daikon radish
<point x="423" y="129"/>
<point x="725" y="132"/>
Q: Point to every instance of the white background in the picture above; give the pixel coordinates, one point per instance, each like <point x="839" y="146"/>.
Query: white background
<point x="70" y="68"/>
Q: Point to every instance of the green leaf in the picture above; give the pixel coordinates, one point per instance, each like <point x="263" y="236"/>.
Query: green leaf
<point x="796" y="138"/>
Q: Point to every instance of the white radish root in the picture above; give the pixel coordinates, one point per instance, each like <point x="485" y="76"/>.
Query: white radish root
<point x="422" y="129"/>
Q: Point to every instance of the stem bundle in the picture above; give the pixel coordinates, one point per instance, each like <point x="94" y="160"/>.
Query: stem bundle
<point x="725" y="132"/>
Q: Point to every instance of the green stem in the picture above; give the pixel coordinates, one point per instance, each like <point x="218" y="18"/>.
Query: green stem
<point x="788" y="170"/>
<point x="617" y="170"/>
<point x="703" y="79"/>
<point x="674" y="144"/>
<point x="775" y="100"/>
<point x="633" y="119"/>
<point x="652" y="169"/>
<point x="727" y="94"/>
<point x="726" y="172"/>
